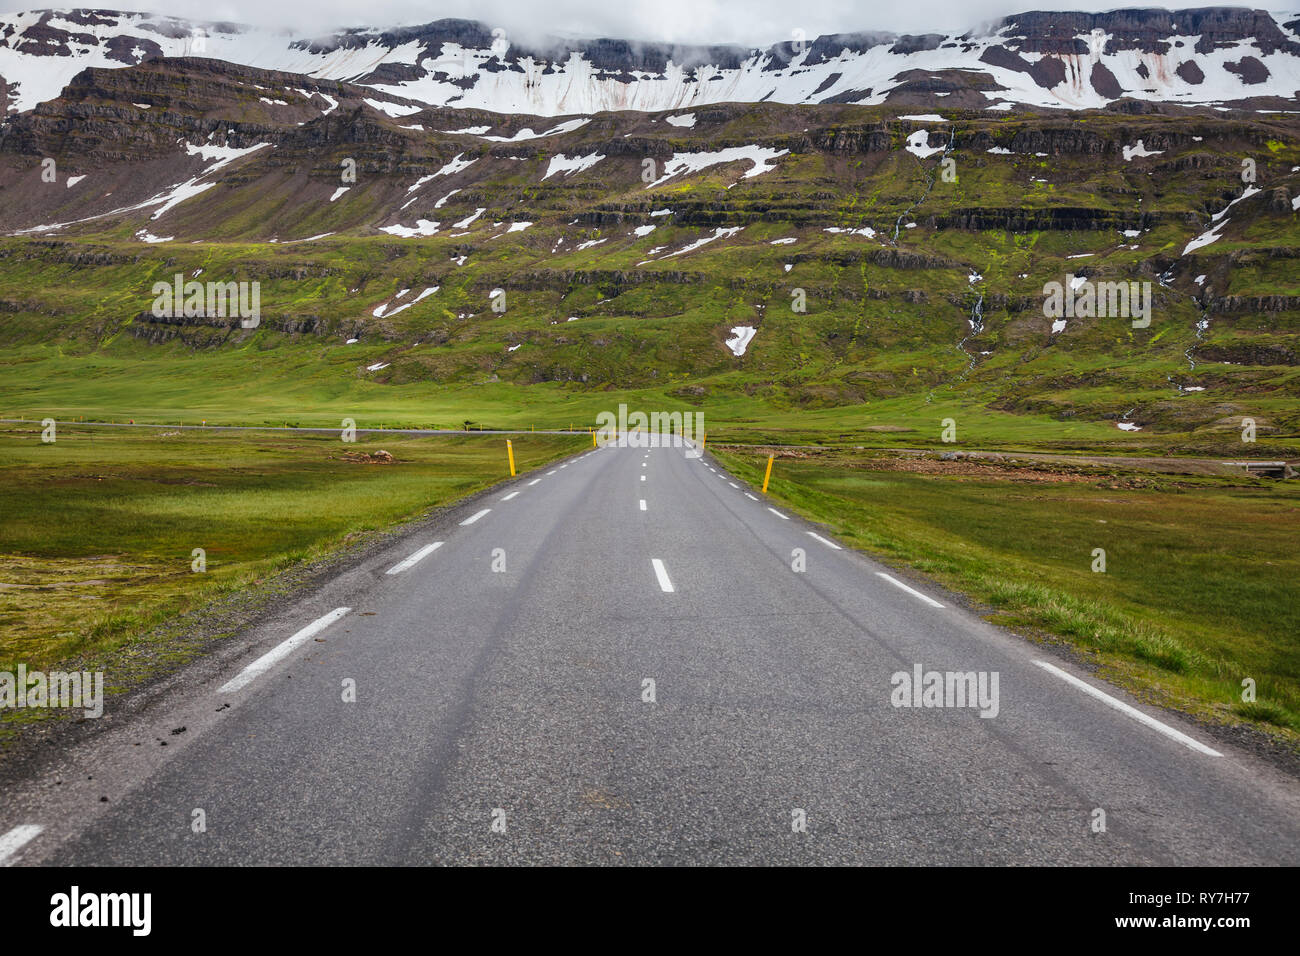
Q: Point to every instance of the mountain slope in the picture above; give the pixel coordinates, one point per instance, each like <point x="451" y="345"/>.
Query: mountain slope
<point x="1062" y="60"/>
<point x="918" y="290"/>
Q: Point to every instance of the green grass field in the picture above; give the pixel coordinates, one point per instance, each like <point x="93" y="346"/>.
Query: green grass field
<point x="1201" y="587"/>
<point x="99" y="529"/>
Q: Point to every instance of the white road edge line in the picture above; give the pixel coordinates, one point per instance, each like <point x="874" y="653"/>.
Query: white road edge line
<point x="662" y="574"/>
<point x="912" y="591"/>
<point x="778" y="514"/>
<point x="734" y="485"/>
<point x="551" y="472"/>
<point x="16" y="839"/>
<point x="828" y="543"/>
<point x="1133" y="712"/>
<point x="281" y="650"/>
<point x="472" y="518"/>
<point x="533" y="482"/>
<point x="511" y="495"/>
<point x="414" y="559"/>
<point x="643" y="504"/>
<point x="750" y="497"/>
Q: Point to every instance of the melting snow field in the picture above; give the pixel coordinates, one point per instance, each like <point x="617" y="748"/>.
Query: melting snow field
<point x="456" y="165"/>
<point x="392" y="109"/>
<point x="576" y="164"/>
<point x="1139" y="150"/>
<point x="1212" y="234"/>
<point x="918" y="145"/>
<point x="464" y="223"/>
<point x="1128" y="427"/>
<point x="864" y="231"/>
<point x="683" y="119"/>
<point x="382" y="311"/>
<point x="568" y="126"/>
<point x="722" y="232"/>
<point x="762" y="159"/>
<point x="741" y="336"/>
<point x="422" y="227"/>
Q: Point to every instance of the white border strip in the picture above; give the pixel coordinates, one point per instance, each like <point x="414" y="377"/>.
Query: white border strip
<point x="662" y="574"/>
<point x="1133" y="712"/>
<point x="280" y="651"/>
<point x="912" y="591"/>
<point x="414" y="559"/>
<point x="472" y="518"/>
<point x="828" y="543"/>
<point x="16" y="839"/>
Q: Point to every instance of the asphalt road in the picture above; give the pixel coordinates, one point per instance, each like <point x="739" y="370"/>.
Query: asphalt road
<point x="501" y="715"/>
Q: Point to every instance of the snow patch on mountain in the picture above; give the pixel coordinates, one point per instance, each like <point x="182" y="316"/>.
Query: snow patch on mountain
<point x="575" y="164"/>
<point x="741" y="336"/>
<point x="422" y="227"/>
<point x="762" y="159"/>
<point x="722" y="232"/>
<point x="918" y="144"/>
<point x="1139" y="150"/>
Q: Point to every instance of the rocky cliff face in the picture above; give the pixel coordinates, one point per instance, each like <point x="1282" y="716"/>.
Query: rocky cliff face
<point x="1063" y="60"/>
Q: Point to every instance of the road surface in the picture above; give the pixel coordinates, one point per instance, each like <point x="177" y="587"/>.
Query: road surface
<point x="503" y="713"/>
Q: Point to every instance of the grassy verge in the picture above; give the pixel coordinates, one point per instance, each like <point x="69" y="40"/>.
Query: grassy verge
<point x="1201" y="583"/>
<point x="100" y="527"/>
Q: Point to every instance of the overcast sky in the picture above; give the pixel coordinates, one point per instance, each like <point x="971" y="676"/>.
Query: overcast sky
<point x="749" y="22"/>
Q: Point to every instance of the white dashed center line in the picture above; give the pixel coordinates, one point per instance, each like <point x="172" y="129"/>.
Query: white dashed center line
<point x="912" y="591"/>
<point x="643" y="504"/>
<point x="472" y="518"/>
<point x="281" y="651"/>
<point x="662" y="574"/>
<point x="414" y="559"/>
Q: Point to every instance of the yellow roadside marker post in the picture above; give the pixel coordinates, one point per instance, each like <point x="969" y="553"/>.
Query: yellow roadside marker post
<point x="704" y="440"/>
<point x="510" y="450"/>
<point x="769" y="472"/>
<point x="592" y="432"/>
